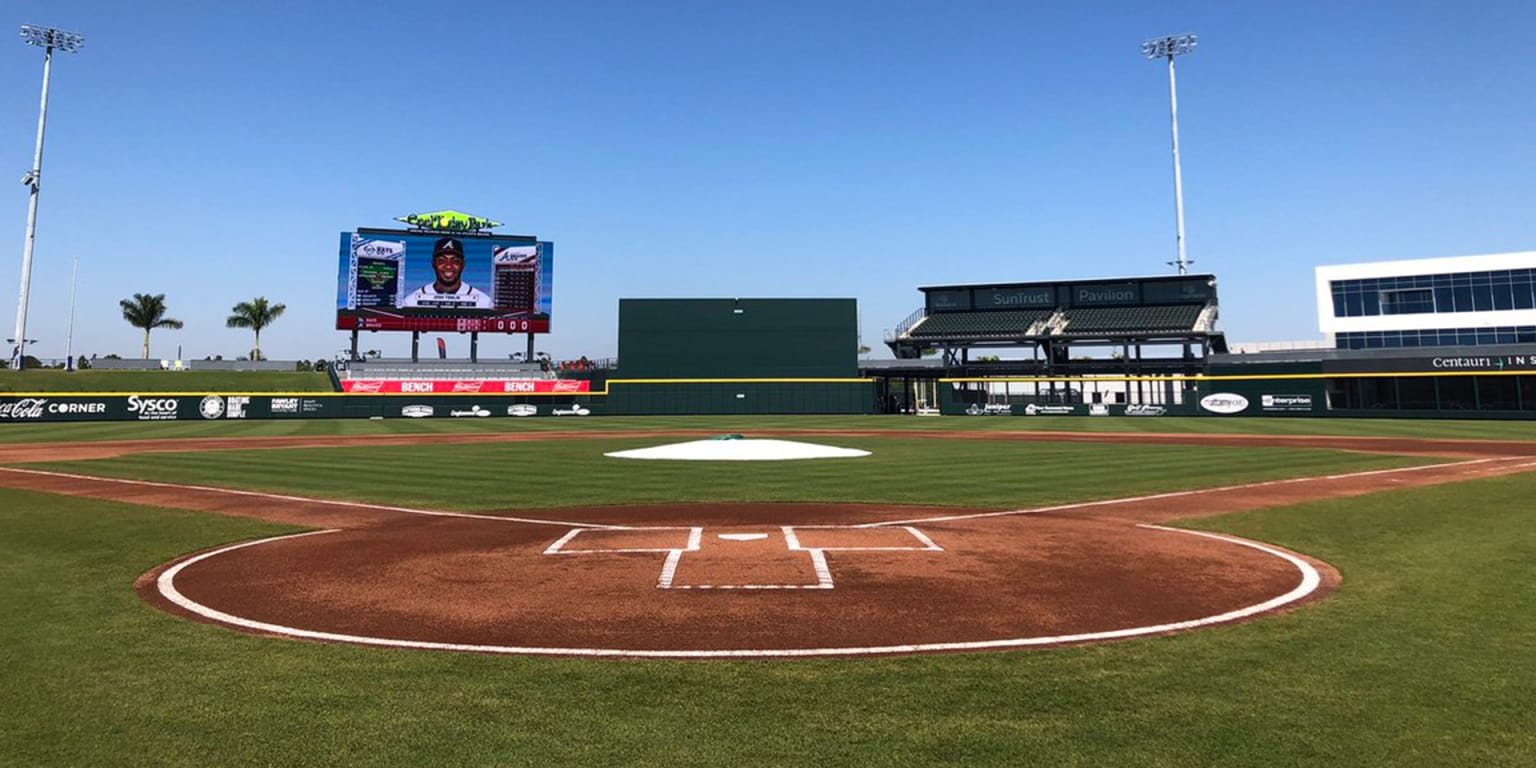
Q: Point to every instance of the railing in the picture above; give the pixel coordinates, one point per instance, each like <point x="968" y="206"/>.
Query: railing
<point x="905" y="325"/>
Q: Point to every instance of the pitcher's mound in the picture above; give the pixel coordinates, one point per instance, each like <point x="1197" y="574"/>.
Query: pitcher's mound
<point x="738" y="448"/>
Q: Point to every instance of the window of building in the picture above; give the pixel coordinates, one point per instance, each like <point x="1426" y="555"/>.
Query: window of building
<point x="1433" y="337"/>
<point x="1408" y="301"/>
<point x="1452" y="292"/>
<point x="1457" y="393"/>
<point x="1377" y="393"/>
<point x="1527" y="386"/>
<point x="1498" y="393"/>
<point x="1416" y="393"/>
<point x="1343" y="394"/>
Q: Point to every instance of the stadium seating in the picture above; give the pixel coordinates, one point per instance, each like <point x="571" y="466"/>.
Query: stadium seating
<point x="1096" y="321"/>
<point x="1001" y="325"/>
<point x="443" y="369"/>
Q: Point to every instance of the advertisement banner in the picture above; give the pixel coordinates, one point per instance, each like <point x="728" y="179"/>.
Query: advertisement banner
<point x="1106" y="294"/>
<point x="213" y="407"/>
<point x="1443" y="364"/>
<point x="1224" y="403"/>
<point x="958" y="300"/>
<point x="1041" y="297"/>
<point x="466" y="387"/>
<point x="1287" y="403"/>
<point x="1072" y="409"/>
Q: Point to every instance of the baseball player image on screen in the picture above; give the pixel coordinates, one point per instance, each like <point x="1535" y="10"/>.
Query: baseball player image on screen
<point x="448" y="290"/>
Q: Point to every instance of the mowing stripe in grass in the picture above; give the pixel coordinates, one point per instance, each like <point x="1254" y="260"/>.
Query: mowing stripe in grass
<point x="1178" y="494"/>
<point x="305" y="500"/>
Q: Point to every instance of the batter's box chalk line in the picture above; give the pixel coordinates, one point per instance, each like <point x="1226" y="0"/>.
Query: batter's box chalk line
<point x="690" y="539"/>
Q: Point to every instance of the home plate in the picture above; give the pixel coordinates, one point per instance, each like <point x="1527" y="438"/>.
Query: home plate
<point x="738" y="448"/>
<point x="743" y="536"/>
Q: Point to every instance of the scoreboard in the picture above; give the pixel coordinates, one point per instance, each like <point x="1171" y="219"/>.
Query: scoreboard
<point x="409" y="280"/>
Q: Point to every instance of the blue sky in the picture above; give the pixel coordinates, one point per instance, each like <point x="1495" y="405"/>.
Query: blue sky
<point x="213" y="151"/>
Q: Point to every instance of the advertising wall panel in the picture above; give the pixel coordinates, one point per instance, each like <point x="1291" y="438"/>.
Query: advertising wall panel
<point x="465" y="386"/>
<point x="216" y="407"/>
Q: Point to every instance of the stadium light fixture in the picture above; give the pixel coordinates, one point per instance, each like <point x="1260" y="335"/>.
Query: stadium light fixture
<point x="1168" y="48"/>
<point x="1173" y="45"/>
<point x="49" y="39"/>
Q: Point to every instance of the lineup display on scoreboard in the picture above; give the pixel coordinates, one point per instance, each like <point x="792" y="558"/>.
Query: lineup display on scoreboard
<point x="424" y="281"/>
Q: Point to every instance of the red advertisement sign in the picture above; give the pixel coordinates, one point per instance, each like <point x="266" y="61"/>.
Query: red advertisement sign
<point x="466" y="387"/>
<point x="439" y="324"/>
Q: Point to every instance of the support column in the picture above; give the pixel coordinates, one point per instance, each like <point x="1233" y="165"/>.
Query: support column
<point x="474" y="346"/>
<point x="354" y="347"/>
<point x="415" y="346"/>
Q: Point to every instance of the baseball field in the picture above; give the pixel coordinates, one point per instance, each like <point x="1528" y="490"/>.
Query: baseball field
<point x="1094" y="591"/>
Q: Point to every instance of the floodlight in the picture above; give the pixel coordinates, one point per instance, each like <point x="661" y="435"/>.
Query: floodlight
<point x="1167" y="47"/>
<point x="48" y="37"/>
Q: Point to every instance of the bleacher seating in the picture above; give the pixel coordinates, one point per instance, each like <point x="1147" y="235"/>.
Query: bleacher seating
<point x="1094" y="321"/>
<point x="444" y="369"/>
<point x="1001" y="325"/>
<point x="1150" y="325"/>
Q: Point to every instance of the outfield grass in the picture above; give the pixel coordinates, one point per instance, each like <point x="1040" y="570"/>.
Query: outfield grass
<point x="56" y="381"/>
<point x="1425" y="656"/>
<point x="518" y="475"/>
<point x="1407" y="428"/>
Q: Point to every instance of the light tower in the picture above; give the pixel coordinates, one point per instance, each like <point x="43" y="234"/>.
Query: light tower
<point x="48" y="39"/>
<point x="1169" y="47"/>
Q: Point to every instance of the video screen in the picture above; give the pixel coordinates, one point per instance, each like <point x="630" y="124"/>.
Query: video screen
<point x="416" y="281"/>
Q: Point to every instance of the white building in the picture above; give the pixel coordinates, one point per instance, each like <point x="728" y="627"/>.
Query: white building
<point x="1456" y="301"/>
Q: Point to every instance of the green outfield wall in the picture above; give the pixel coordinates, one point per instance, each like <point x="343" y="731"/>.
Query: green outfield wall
<point x="738" y="338"/>
<point x="1509" y="395"/>
<point x="617" y="397"/>
<point x="50" y="407"/>
<point x="741" y="396"/>
<point x="1481" y="394"/>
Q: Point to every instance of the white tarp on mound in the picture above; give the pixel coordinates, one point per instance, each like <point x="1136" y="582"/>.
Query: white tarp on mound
<point x="739" y="450"/>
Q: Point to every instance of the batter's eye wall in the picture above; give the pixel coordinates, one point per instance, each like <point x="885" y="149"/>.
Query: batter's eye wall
<point x="738" y="338"/>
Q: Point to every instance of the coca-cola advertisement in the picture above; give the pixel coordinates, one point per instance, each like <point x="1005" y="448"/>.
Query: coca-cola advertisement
<point x="26" y="408"/>
<point x="37" y="408"/>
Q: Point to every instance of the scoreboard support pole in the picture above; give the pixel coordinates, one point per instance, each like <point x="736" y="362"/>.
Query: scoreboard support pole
<point x="474" y="346"/>
<point x="529" y="357"/>
<point x="415" y="346"/>
<point x="354" y="346"/>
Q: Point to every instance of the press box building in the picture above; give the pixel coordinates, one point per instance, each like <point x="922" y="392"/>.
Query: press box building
<point x="1443" y="337"/>
<point x="1463" y="301"/>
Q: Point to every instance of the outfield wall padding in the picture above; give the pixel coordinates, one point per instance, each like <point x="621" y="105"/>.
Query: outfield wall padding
<point x="32" y="408"/>
<point x="1470" y="396"/>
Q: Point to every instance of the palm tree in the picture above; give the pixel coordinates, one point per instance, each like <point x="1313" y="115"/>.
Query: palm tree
<point x="147" y="312"/>
<point x="255" y="314"/>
